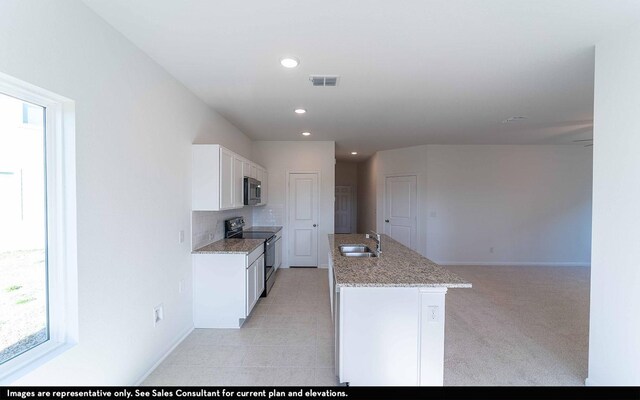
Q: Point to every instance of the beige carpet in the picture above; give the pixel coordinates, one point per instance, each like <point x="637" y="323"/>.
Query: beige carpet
<point x="518" y="326"/>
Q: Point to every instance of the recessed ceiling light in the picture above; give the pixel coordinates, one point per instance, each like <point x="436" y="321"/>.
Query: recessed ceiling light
<point x="289" y="62"/>
<point x="300" y="111"/>
<point x="354" y="153"/>
<point x="306" y="133"/>
<point x="514" y="119"/>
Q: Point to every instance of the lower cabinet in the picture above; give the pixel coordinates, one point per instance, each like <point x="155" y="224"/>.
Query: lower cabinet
<point x="226" y="287"/>
<point x="389" y="335"/>
<point x="254" y="283"/>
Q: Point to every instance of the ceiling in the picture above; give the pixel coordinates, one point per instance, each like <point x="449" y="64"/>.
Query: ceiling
<point x="411" y="72"/>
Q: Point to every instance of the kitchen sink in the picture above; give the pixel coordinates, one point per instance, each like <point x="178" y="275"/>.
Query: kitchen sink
<point x="356" y="250"/>
<point x="359" y="255"/>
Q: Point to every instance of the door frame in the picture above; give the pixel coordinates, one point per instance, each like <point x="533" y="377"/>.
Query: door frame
<point x="418" y="198"/>
<point x="285" y="250"/>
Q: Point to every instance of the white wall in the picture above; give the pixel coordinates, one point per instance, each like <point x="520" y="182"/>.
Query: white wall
<point x="532" y="204"/>
<point x="347" y="175"/>
<point x="614" y="332"/>
<point x="134" y="126"/>
<point x="281" y="158"/>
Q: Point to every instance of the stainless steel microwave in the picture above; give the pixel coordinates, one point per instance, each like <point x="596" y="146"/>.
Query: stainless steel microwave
<point x="252" y="191"/>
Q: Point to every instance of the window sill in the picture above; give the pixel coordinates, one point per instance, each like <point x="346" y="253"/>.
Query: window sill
<point x="29" y="361"/>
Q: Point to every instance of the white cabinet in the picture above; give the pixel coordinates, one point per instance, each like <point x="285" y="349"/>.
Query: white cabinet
<point x="404" y="326"/>
<point x="238" y="182"/>
<point x="260" y="278"/>
<point x="227" y="187"/>
<point x="252" y="280"/>
<point x="218" y="178"/>
<point x="246" y="168"/>
<point x="226" y="287"/>
<point x="255" y="283"/>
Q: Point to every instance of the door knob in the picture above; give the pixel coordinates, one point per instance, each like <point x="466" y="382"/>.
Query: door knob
<point x="386" y="220"/>
<point x="314" y="225"/>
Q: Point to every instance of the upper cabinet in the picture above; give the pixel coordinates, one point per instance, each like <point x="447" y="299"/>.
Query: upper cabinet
<point x="238" y="181"/>
<point x="218" y="178"/>
<point x="227" y="184"/>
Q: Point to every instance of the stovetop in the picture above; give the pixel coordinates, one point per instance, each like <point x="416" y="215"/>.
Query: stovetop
<point x="251" y="235"/>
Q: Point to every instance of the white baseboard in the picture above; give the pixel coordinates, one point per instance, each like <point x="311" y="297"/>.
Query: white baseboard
<point x="515" y="263"/>
<point x="175" y="344"/>
<point x="325" y="266"/>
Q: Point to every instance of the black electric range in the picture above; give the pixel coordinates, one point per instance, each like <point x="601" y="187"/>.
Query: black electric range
<point x="234" y="229"/>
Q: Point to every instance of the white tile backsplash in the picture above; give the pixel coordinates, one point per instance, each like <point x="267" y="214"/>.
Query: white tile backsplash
<point x="269" y="215"/>
<point x="208" y="226"/>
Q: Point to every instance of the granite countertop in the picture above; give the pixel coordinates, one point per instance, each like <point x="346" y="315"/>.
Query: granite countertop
<point x="272" y="229"/>
<point x="396" y="266"/>
<point x="230" y="246"/>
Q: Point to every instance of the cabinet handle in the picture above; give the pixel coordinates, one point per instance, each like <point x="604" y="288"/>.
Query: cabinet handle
<point x="314" y="225"/>
<point x="386" y="220"/>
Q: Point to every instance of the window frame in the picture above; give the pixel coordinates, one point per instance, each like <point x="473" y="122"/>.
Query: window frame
<point x="61" y="251"/>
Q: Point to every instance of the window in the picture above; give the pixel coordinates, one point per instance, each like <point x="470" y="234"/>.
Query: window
<point x="38" y="274"/>
<point x="23" y="248"/>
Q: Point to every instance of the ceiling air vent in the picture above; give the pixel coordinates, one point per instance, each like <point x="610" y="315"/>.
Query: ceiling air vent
<point x="323" y="80"/>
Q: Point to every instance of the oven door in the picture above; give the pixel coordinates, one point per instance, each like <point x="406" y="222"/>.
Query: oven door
<point x="270" y="253"/>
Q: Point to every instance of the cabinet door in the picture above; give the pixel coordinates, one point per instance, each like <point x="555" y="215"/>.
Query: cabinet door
<point x="226" y="179"/>
<point x="260" y="277"/>
<point x="251" y="287"/>
<point x="238" y="182"/>
<point x="246" y="168"/>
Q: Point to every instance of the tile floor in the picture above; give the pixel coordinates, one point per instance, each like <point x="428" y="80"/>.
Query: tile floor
<point x="517" y="326"/>
<point x="288" y="340"/>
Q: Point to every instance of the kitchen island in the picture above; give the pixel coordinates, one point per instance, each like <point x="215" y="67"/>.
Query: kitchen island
<point x="388" y="313"/>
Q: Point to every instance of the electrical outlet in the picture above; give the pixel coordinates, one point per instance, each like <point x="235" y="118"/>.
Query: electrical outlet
<point x="433" y="314"/>
<point x="433" y="214"/>
<point x="180" y="286"/>
<point x="210" y="236"/>
<point x="181" y="236"/>
<point x="158" y="314"/>
<point x="490" y="249"/>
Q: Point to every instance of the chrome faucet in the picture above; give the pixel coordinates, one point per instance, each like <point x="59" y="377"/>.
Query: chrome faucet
<point x="376" y="237"/>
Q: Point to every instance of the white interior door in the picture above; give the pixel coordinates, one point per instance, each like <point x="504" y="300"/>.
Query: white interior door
<point x="400" y="214"/>
<point x="303" y="219"/>
<point x="343" y="209"/>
